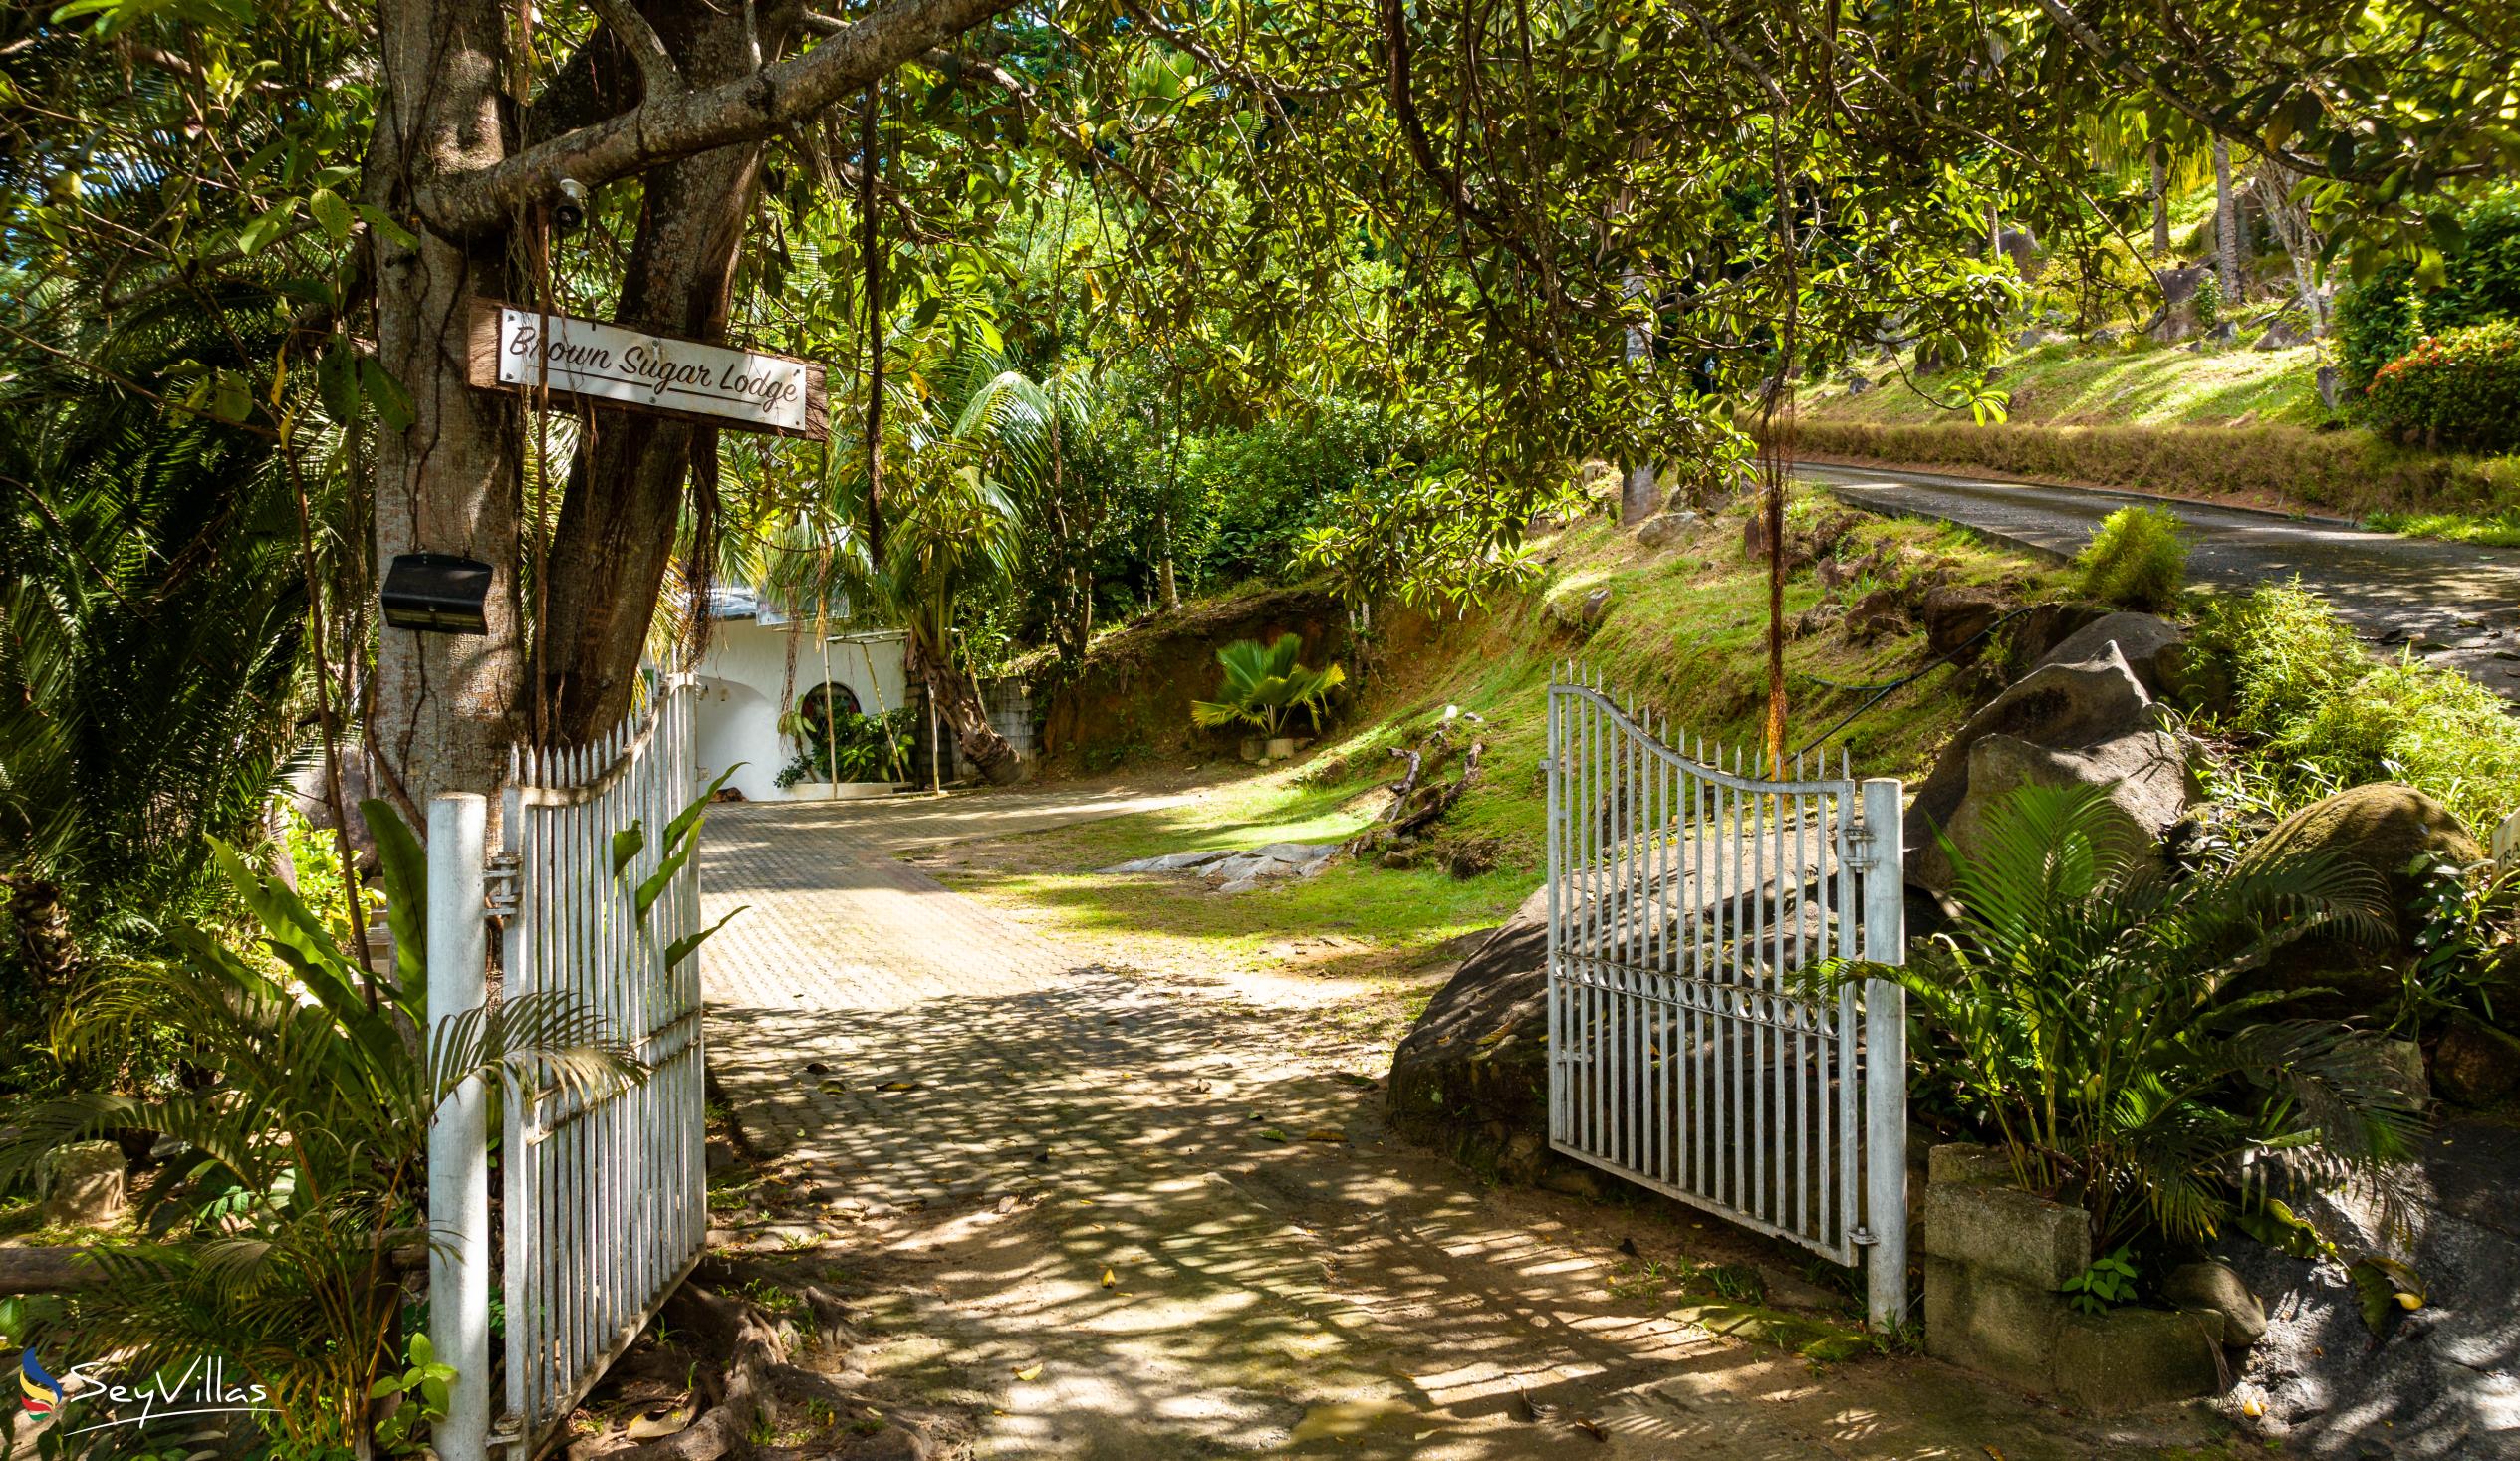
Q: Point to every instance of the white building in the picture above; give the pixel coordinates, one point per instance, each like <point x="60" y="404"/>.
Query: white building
<point x="745" y="673"/>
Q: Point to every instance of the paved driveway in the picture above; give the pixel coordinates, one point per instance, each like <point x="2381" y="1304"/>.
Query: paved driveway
<point x="1150" y="1220"/>
<point x="2459" y="602"/>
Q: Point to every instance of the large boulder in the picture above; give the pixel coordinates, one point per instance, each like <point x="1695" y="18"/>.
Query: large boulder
<point x="1473" y="1074"/>
<point x="2434" y="1381"/>
<point x="81" y="1185"/>
<point x="2055" y="705"/>
<point x="2152" y="647"/>
<point x="2143" y="773"/>
<point x="2381" y="828"/>
<point x="2041" y="628"/>
<point x="1956" y="613"/>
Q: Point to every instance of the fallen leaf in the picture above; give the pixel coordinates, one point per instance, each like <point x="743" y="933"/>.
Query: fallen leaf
<point x="817" y="1067"/>
<point x="1325" y="1134"/>
<point x="899" y="1085"/>
<point x="1272" y="1134"/>
<point x="1110" y="1280"/>
<point x="1029" y="1375"/>
<point x="1627" y="1246"/>
<point x="1591" y="1428"/>
<point x="834" y="1087"/>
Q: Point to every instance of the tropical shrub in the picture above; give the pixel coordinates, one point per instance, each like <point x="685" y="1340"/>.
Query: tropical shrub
<point x="1260" y="488"/>
<point x="1264" y="687"/>
<point x="2277" y="668"/>
<point x="2377" y="320"/>
<point x="2482" y="276"/>
<point x="2460" y="387"/>
<point x="852" y="748"/>
<point x="2081" y="1014"/>
<point x="301" y="1143"/>
<point x="2137" y="558"/>
<point x="2207" y="303"/>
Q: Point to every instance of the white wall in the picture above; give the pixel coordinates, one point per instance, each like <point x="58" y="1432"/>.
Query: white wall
<point x="740" y="682"/>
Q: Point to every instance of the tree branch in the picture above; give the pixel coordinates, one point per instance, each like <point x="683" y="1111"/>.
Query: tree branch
<point x="2218" y="126"/>
<point x="662" y="128"/>
<point x="658" y="76"/>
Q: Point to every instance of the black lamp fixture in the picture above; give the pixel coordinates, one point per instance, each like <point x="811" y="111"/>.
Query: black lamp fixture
<point x="436" y="593"/>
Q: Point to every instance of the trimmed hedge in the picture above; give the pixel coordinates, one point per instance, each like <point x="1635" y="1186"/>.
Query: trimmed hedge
<point x="2350" y="472"/>
<point x="2460" y="387"/>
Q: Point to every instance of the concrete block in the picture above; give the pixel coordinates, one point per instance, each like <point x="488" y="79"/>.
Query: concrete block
<point x="1991" y="1324"/>
<point x="2130" y="1357"/>
<point x="1968" y="1161"/>
<point x="2007" y="1233"/>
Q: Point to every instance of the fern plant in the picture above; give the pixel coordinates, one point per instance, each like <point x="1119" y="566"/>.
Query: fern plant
<point x="2087" y="1009"/>
<point x="1264" y="687"/>
<point x="300" y="1142"/>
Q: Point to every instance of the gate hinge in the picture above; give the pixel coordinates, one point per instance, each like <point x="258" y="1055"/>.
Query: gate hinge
<point x="499" y="881"/>
<point x="1862" y="1238"/>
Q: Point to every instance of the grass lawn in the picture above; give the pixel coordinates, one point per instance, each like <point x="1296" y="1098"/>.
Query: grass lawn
<point x="2065" y="383"/>
<point x="1683" y="635"/>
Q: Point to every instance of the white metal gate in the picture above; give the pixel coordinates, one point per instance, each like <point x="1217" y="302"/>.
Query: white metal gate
<point x="604" y="1191"/>
<point x="1690" y="902"/>
<point x="607" y="1197"/>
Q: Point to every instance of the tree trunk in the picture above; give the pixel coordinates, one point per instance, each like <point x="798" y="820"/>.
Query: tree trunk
<point x="1636" y="485"/>
<point x="624" y="504"/>
<point x="44" y="948"/>
<point x="2293" y="230"/>
<point x="2160" y="205"/>
<point x="956" y="696"/>
<point x="444" y="704"/>
<point x="2227" y="227"/>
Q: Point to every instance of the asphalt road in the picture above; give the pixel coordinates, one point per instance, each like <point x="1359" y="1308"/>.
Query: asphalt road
<point x="2457" y="603"/>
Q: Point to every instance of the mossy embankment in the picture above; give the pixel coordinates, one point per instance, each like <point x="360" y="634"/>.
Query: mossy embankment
<point x="2226" y="424"/>
<point x="1679" y="629"/>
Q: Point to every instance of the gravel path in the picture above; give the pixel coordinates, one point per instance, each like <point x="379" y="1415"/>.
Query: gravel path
<point x="2460" y="604"/>
<point x="1117" y="1216"/>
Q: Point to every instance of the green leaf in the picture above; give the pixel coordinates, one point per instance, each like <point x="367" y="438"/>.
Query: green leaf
<point x="393" y="402"/>
<point x="688" y="820"/>
<point x="421" y="1351"/>
<point x="659" y="880"/>
<point x="683" y="948"/>
<point x="404" y="868"/>
<point x="332" y="214"/>
<point x="256" y="236"/>
<point x="626" y="843"/>
<point x="383" y="222"/>
<point x="336" y="380"/>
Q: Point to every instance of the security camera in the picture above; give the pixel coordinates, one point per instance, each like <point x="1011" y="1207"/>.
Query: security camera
<point x="569" y="208"/>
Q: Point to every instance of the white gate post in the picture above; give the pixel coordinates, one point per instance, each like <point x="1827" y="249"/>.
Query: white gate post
<point x="459" y="1134"/>
<point x="1884" y="1058"/>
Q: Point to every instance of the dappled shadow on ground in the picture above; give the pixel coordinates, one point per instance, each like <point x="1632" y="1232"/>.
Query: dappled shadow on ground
<point x="1144" y="1225"/>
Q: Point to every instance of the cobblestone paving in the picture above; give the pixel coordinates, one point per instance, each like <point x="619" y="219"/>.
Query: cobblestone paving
<point x="1153" y="1220"/>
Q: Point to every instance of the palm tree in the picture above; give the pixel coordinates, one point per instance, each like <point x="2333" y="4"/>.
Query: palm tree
<point x="302" y="1143"/>
<point x="949" y="533"/>
<point x="2092" y="1006"/>
<point x="152" y="625"/>
<point x="1264" y="687"/>
<point x="2227" y="227"/>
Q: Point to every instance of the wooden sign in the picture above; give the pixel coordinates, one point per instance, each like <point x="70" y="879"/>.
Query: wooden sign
<point x="600" y="365"/>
